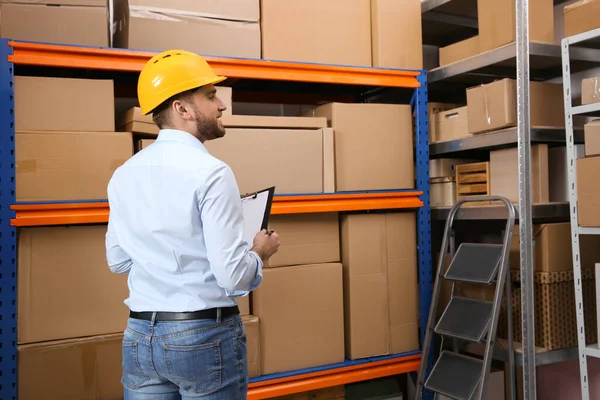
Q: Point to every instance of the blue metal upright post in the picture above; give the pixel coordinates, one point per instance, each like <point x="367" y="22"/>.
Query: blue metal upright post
<point x="424" y="213"/>
<point x="8" y="234"/>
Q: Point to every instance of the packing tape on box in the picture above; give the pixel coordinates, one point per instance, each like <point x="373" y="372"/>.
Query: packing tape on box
<point x="487" y="108"/>
<point x="169" y="14"/>
<point x="596" y="90"/>
<point x="26" y="166"/>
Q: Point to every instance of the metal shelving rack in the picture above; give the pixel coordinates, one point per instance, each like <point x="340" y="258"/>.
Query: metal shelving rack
<point x="590" y="38"/>
<point x="18" y="57"/>
<point x="524" y="61"/>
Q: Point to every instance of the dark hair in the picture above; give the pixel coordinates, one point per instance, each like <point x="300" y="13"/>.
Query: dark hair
<point x="161" y="115"/>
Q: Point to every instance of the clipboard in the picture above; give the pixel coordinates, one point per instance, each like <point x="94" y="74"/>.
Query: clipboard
<point x="256" y="208"/>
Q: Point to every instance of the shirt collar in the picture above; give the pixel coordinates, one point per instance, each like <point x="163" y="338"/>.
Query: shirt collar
<point x="176" y="135"/>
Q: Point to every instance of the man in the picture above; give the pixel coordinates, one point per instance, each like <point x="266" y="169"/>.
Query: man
<point x="176" y="228"/>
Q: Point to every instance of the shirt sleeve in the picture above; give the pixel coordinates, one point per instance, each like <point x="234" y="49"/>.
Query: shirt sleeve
<point x="118" y="260"/>
<point x="236" y="269"/>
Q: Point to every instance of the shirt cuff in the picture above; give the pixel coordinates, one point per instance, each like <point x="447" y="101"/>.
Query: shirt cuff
<point x="255" y="282"/>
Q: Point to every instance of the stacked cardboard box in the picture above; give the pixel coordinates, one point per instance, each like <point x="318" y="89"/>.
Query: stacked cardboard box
<point x="379" y="255"/>
<point x="70" y="306"/>
<point x="442" y="174"/>
<point x="79" y="22"/>
<point x="65" y="153"/>
<point x="588" y="167"/>
<point x="382" y="33"/>
<point x="219" y="28"/>
<point x="581" y="16"/>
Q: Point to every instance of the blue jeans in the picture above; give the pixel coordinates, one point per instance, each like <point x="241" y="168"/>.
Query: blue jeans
<point x="197" y="359"/>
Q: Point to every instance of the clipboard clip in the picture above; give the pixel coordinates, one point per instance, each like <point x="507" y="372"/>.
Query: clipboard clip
<point x="249" y="195"/>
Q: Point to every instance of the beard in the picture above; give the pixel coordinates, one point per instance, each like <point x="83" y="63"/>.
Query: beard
<point x="209" y="128"/>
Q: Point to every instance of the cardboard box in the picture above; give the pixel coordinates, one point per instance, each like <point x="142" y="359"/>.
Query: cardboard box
<point x="159" y="29"/>
<point x="46" y="104"/>
<point x="306" y="239"/>
<point x="552" y="251"/>
<point x="317" y="31"/>
<point x="75" y="24"/>
<point x="295" y="160"/>
<point x="68" y="166"/>
<point x="65" y="289"/>
<point x="554" y="309"/>
<point x="143" y="126"/>
<point x="243" y="304"/>
<point x="459" y="51"/>
<point x="497" y="22"/>
<point x="91" y="366"/>
<point x="252" y="328"/>
<point x="396" y="34"/>
<point x="446" y="167"/>
<point x="588" y="191"/>
<point x="442" y="192"/>
<point x="389" y="156"/>
<point x="590" y="90"/>
<point x="299" y="318"/>
<point x="581" y="16"/>
<point x="504" y="174"/>
<point x="452" y="124"/>
<point x="141" y="144"/>
<point x="494" y="106"/>
<point x="591" y="132"/>
<point x="379" y="254"/>
<point x="432" y="109"/>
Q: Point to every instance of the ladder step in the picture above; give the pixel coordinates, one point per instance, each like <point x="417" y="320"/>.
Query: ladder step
<point x="475" y="262"/>
<point x="455" y="375"/>
<point x="466" y="319"/>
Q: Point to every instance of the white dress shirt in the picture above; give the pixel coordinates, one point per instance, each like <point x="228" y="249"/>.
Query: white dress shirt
<point x="176" y="227"/>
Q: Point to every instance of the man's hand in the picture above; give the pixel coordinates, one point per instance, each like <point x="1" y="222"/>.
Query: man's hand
<point x="266" y="243"/>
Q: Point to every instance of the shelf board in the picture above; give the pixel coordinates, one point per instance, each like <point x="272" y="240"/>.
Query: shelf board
<point x="96" y="58"/>
<point x="498" y="140"/>
<point x="541" y="213"/>
<point x="340" y="374"/>
<point x="545" y="63"/>
<point x="585" y="230"/>
<point x="587" y="110"/>
<point x="97" y="212"/>
<point x="542" y="356"/>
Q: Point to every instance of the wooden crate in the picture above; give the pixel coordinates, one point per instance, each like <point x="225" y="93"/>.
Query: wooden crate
<point x="473" y="180"/>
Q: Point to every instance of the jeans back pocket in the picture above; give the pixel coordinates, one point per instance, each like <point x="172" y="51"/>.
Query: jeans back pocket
<point x="133" y="377"/>
<point x="195" y="368"/>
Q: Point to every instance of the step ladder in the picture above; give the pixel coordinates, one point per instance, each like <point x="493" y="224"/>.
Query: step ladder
<point x="456" y="375"/>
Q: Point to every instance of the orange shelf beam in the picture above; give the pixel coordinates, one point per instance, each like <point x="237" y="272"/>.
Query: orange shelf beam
<point x="346" y="202"/>
<point x="333" y="377"/>
<point x="49" y="55"/>
<point x="91" y="213"/>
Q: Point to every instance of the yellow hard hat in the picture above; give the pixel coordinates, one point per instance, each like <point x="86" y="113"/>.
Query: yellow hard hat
<point x="170" y="73"/>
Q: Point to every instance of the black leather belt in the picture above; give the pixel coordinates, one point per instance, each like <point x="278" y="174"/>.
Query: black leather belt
<point x="183" y="316"/>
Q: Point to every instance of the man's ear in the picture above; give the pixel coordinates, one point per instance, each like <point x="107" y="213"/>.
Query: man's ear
<point x="182" y="109"/>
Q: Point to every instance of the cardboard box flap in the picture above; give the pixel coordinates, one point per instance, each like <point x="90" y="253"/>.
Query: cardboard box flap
<point x="259" y="121"/>
<point x="182" y="16"/>
<point x="235" y="10"/>
<point x="574" y="6"/>
<point x="134" y="114"/>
